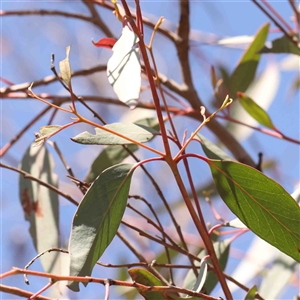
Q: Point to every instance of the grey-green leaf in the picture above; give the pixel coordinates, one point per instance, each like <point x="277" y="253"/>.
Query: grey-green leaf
<point x="97" y="219"/>
<point x="110" y="156"/>
<point x="64" y="67"/>
<point x="212" y="151"/>
<point x="134" y="132"/>
<point x="40" y="204"/>
<point x="260" y="203"/>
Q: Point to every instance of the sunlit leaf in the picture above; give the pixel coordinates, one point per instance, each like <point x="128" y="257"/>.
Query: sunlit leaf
<point x="201" y="277"/>
<point x="244" y="73"/>
<point x="110" y="156"/>
<point x="97" y="219"/>
<point x="251" y="293"/>
<point x="282" y="45"/>
<point x="260" y="203"/>
<point x="138" y="133"/>
<point x="40" y="204"/>
<point x="211" y="150"/>
<point x="281" y="271"/>
<point x="64" y="67"/>
<point x="255" y="111"/>
<point x="124" y="69"/>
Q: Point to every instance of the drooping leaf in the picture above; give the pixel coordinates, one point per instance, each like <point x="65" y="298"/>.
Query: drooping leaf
<point x="211" y="150"/>
<point x="260" y="203"/>
<point x="244" y="73"/>
<point x="255" y="111"/>
<point x="40" y="204"/>
<point x="97" y="219"/>
<point x="138" y="133"/>
<point x="124" y="69"/>
<point x="282" y="45"/>
<point x="110" y="156"/>
<point x="64" y="67"/>
<point x="251" y="293"/>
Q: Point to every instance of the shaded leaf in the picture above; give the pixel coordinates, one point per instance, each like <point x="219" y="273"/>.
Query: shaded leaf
<point x="149" y="122"/>
<point x="40" y="204"/>
<point x="124" y="69"/>
<point x="110" y="156"/>
<point x="251" y="293"/>
<point x="64" y="67"/>
<point x="138" y="133"/>
<point x="146" y="278"/>
<point x="211" y="150"/>
<point x="255" y="111"/>
<point x="282" y="45"/>
<point x="244" y="73"/>
<point x="97" y="219"/>
<point x="260" y="203"/>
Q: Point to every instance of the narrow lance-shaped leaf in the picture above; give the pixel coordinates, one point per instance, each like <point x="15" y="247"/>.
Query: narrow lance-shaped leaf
<point x="135" y="132"/>
<point x="260" y="203"/>
<point x="64" y="67"/>
<point x="40" y="204"/>
<point x="244" y="73"/>
<point x="255" y="111"/>
<point x="97" y="219"/>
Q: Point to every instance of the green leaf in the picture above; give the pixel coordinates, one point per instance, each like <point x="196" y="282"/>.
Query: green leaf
<point x="40" y="204"/>
<point x="149" y="122"/>
<point x="138" y="133"/>
<point x="260" y="203"/>
<point x="144" y="277"/>
<point x="281" y="271"/>
<point x="244" y="73"/>
<point x="65" y="69"/>
<point x="251" y="293"/>
<point x="255" y="111"/>
<point x="97" y="219"/>
<point x="110" y="156"/>
<point x="211" y="150"/>
<point x="282" y="45"/>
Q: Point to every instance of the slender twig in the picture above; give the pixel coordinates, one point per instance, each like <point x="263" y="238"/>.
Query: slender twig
<point x="19" y="292"/>
<point x="48" y="79"/>
<point x="141" y="257"/>
<point x="87" y="279"/>
<point x="287" y="34"/>
<point x="47" y="185"/>
<point x="97" y="20"/>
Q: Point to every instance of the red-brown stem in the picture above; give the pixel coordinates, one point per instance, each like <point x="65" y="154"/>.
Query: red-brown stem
<point x="201" y="227"/>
